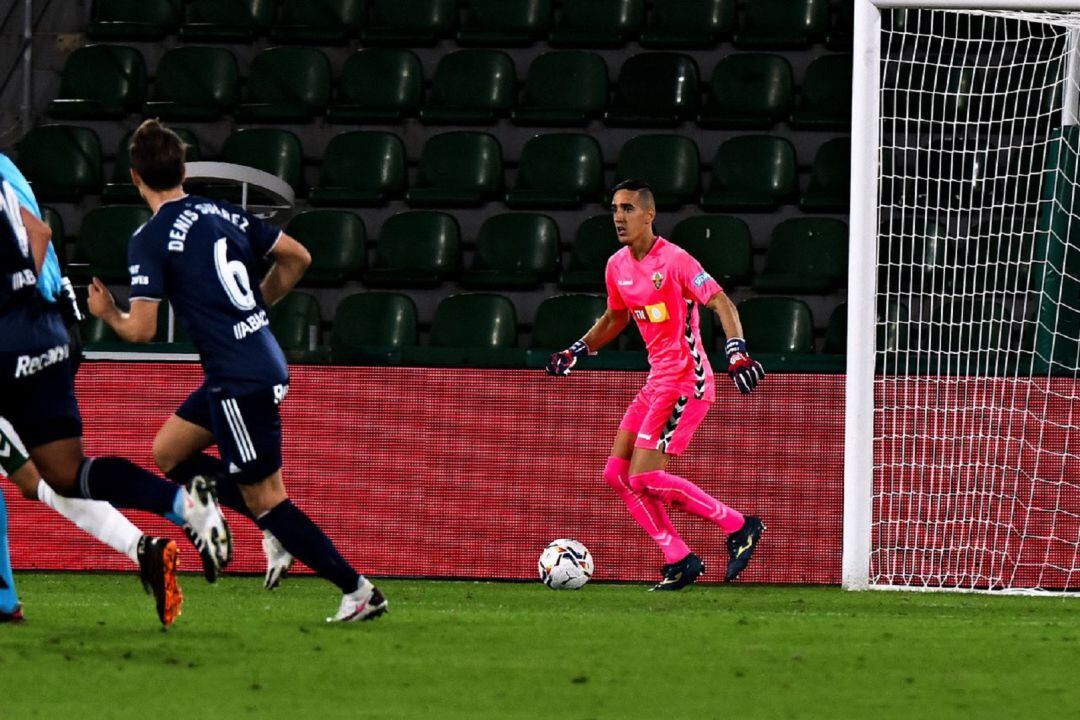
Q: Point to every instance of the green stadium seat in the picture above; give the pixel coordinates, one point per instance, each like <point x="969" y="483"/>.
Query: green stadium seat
<point x="295" y="321"/>
<point x="378" y="85"/>
<point x="836" y="332"/>
<point x="560" y="170"/>
<point x="371" y="326"/>
<point x="408" y="23"/>
<point x="194" y="83"/>
<point x="782" y="24"/>
<point x="458" y="169"/>
<point x="892" y="329"/>
<point x="721" y="243"/>
<point x="416" y="249"/>
<point x="287" y="85"/>
<point x="226" y="20"/>
<point x="563" y="88"/>
<point x="841" y="33"/>
<point x="824" y="100"/>
<point x="669" y="163"/>
<point x="271" y="150"/>
<point x="141" y="20"/>
<point x="594" y="242"/>
<point x="688" y="23"/>
<point x="748" y="90"/>
<point x="777" y="325"/>
<point x="474" y="329"/>
<point x="100" y="82"/>
<point x="337" y="242"/>
<point x="596" y="23"/>
<point x="830" y="180"/>
<point x="655" y="90"/>
<point x="361" y="168"/>
<point x="317" y="22"/>
<point x="913" y="253"/>
<point x="471" y="87"/>
<point x="59" y="239"/>
<point x="505" y="23"/>
<point x="562" y="320"/>
<point x="805" y="255"/>
<point x="103" y="241"/>
<point x="119" y="188"/>
<point x="752" y="173"/>
<point x="62" y="162"/>
<point x="514" y="251"/>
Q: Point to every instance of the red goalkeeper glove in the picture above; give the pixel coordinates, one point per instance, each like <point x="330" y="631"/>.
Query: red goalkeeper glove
<point x="744" y="372"/>
<point x="561" y="362"/>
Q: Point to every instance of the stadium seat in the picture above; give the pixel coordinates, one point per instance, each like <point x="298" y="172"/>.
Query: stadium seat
<point x="560" y="170"/>
<point x="141" y="20"/>
<point x="226" y="20"/>
<point x="562" y="320"/>
<point x="361" y="168"/>
<point x="836" y="332"/>
<point x="505" y="23"/>
<point x="824" y="99"/>
<point x="721" y="243"/>
<point x="194" y="83"/>
<point x="913" y="253"/>
<point x="805" y="255"/>
<point x="96" y="331"/>
<point x="563" y="88"/>
<point x="370" y="324"/>
<point x="968" y="325"/>
<point x="458" y="169"/>
<point x="100" y="82"/>
<point x="474" y="320"/>
<point x="999" y="256"/>
<point x="62" y="162"/>
<point x="655" y="90"/>
<point x="416" y="249"/>
<point x="103" y="241"/>
<point x="295" y="321"/>
<point x="594" y="242"/>
<point x="669" y="163"/>
<point x="56" y="225"/>
<point x="892" y="329"/>
<point x="119" y="188"/>
<point x="378" y="85"/>
<point x="408" y="23"/>
<point x="471" y="87"/>
<point x="317" y="22"/>
<point x="514" y="251"/>
<point x="596" y="23"/>
<point x="830" y="180"/>
<point x="782" y="24"/>
<point x="271" y="150"/>
<point x="752" y="173"/>
<point x="337" y="242"/>
<point x="777" y="325"/>
<point x="688" y="23"/>
<point x="841" y="26"/>
<point x="748" y="90"/>
<point x="287" y="85"/>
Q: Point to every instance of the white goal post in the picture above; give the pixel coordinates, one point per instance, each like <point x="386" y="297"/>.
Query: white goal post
<point x="962" y="426"/>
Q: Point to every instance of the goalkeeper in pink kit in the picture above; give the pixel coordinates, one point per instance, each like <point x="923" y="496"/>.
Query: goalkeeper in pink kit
<point x="659" y="285"/>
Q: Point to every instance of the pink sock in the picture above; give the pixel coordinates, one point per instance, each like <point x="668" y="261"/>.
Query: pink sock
<point x="685" y="495"/>
<point x="648" y="513"/>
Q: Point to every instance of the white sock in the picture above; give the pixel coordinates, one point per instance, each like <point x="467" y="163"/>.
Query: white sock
<point x="97" y="518"/>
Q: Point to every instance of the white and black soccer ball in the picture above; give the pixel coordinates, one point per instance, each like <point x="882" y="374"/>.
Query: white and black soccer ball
<point x="565" y="565"/>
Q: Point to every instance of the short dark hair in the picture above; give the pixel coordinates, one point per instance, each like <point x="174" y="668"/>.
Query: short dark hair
<point x="642" y="188"/>
<point x="157" y="154"/>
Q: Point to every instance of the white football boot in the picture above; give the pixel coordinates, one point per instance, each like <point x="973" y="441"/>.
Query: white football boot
<point x="364" y="603"/>
<point x="278" y="560"/>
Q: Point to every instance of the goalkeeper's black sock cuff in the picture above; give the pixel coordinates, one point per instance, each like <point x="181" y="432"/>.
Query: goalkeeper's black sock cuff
<point x="298" y="534"/>
<point x="124" y="484"/>
<point x="228" y="492"/>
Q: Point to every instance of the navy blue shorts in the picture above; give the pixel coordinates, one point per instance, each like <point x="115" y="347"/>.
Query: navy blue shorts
<point x="247" y="428"/>
<point x="40" y="403"/>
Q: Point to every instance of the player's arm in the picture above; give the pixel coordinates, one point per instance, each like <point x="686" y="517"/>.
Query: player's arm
<point x="291" y="259"/>
<point x="138" y="325"/>
<point x="603" y="331"/>
<point x="744" y="372"/>
<point x="39" y="234"/>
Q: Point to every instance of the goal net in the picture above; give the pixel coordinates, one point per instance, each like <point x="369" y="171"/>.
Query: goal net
<point x="976" y="407"/>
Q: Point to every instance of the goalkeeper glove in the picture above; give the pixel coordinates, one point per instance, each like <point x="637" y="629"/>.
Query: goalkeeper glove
<point x="744" y="372"/>
<point x="561" y="362"/>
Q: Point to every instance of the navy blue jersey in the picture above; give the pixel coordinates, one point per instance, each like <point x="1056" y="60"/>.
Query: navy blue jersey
<point x="205" y="256"/>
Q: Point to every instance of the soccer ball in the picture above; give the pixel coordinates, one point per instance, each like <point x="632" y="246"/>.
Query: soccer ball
<point x="565" y="565"/>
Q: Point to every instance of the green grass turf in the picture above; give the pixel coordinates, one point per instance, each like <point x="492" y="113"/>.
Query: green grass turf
<point x="92" y="649"/>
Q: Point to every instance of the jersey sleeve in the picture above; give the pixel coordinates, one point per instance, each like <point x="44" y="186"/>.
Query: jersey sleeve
<point x="146" y="263"/>
<point x="614" y="299"/>
<point x="263" y="235"/>
<point x="697" y="284"/>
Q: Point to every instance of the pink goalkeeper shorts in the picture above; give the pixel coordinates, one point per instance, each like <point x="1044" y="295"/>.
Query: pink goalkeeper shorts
<point x="663" y="419"/>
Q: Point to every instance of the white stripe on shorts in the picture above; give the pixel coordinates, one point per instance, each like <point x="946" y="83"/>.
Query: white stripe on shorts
<point x="239" y="430"/>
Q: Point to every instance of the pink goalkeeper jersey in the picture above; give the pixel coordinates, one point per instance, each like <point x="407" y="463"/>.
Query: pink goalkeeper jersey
<point x="662" y="292"/>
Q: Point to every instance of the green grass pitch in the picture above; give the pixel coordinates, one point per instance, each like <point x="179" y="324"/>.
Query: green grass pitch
<point x="93" y="649"/>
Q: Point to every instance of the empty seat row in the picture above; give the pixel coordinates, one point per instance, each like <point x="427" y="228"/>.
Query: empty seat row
<point x="464" y="168"/>
<point x="506" y="23"/>
<point x="474" y="86"/>
<point x="423" y="249"/>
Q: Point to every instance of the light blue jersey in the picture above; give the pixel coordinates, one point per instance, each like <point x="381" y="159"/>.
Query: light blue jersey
<point x="48" y="283"/>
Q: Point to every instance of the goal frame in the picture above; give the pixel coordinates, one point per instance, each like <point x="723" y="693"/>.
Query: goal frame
<point x="862" y="273"/>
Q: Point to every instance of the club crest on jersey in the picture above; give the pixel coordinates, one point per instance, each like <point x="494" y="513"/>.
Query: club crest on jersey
<point x="658" y="279"/>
